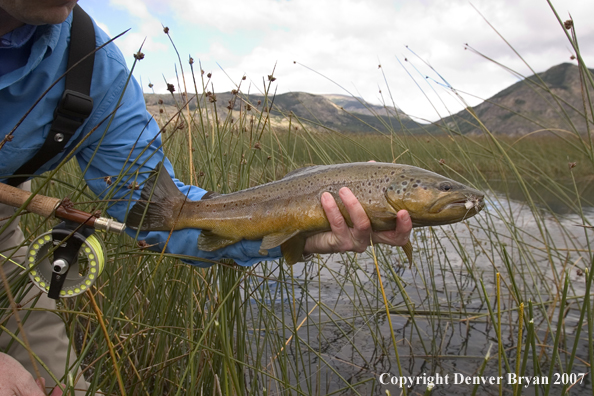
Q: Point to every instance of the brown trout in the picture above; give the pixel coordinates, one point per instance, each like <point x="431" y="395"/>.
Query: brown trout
<point x="287" y="211"/>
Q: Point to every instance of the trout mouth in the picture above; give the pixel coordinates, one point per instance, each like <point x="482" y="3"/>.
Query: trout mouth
<point x="469" y="203"/>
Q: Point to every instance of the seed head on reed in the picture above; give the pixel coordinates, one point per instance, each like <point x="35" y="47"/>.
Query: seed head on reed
<point x="568" y="24"/>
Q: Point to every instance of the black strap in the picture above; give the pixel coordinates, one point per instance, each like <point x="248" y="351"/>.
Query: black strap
<point x="76" y="103"/>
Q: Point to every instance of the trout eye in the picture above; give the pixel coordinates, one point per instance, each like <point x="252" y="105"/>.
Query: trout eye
<point x="445" y="186"/>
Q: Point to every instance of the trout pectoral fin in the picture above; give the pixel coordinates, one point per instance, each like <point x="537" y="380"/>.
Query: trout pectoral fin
<point x="273" y="240"/>
<point x="209" y="241"/>
<point x="293" y="249"/>
<point x="408" y="250"/>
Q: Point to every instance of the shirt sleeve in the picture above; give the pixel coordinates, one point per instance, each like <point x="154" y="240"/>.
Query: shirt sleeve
<point x="120" y="155"/>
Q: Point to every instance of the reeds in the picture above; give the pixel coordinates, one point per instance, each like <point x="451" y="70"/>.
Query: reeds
<point x="506" y="293"/>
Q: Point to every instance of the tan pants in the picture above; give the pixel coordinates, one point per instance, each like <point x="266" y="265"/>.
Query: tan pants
<point x="45" y="330"/>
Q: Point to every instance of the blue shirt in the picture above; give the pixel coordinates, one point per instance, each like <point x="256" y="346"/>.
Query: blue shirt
<point x="129" y="146"/>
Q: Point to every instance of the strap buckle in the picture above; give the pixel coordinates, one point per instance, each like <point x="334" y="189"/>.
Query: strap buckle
<point x="75" y="105"/>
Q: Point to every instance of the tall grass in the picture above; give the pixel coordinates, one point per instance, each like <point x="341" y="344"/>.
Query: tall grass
<point x="505" y="293"/>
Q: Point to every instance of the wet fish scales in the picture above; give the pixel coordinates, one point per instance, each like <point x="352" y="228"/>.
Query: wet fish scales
<point x="287" y="211"/>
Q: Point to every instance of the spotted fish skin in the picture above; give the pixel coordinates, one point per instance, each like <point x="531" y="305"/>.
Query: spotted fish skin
<point x="285" y="212"/>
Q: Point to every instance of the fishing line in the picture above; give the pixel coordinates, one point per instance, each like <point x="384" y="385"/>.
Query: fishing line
<point x="82" y="273"/>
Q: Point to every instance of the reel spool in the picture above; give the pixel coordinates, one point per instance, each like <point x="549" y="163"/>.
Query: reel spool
<point x="70" y="259"/>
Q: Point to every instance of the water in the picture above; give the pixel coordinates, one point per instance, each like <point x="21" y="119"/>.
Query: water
<point x="558" y="197"/>
<point x="345" y="336"/>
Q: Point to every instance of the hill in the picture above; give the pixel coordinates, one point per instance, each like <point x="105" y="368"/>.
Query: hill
<point x="547" y="100"/>
<point x="526" y="106"/>
<point x="339" y="112"/>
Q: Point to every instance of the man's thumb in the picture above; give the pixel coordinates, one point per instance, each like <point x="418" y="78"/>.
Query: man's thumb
<point x="41" y="384"/>
<point x="57" y="391"/>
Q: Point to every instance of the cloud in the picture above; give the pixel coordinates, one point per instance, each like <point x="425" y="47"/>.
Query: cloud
<point x="345" y="40"/>
<point x="145" y="28"/>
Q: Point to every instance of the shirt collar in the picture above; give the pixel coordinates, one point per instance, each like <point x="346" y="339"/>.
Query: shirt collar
<point x="45" y="40"/>
<point x="18" y="37"/>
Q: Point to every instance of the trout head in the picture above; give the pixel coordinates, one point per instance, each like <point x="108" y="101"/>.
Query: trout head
<point x="432" y="199"/>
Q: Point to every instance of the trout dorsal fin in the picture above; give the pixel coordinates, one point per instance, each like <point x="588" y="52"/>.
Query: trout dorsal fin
<point x="299" y="171"/>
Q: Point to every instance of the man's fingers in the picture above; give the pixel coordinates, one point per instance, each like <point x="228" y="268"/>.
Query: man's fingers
<point x="41" y="383"/>
<point x="356" y="212"/>
<point x="361" y="231"/>
<point x="398" y="236"/>
<point x="403" y="227"/>
<point x="343" y="238"/>
<point x="337" y="222"/>
<point x="57" y="391"/>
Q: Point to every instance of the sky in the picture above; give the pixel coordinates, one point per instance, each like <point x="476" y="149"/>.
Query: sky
<point x="406" y="53"/>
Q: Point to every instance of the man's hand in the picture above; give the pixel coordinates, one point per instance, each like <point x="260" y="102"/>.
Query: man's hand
<point x="342" y="238"/>
<point x="16" y="381"/>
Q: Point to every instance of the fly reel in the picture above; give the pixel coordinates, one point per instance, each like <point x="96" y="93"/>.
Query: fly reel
<point x="66" y="261"/>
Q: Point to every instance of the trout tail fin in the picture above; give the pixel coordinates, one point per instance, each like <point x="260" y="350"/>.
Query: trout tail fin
<point x="159" y="205"/>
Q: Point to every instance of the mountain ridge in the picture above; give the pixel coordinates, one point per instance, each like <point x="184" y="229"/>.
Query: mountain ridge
<point x="334" y="111"/>
<point x="549" y="100"/>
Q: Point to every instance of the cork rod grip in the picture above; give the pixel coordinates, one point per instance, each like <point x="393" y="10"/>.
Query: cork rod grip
<point x="39" y="204"/>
